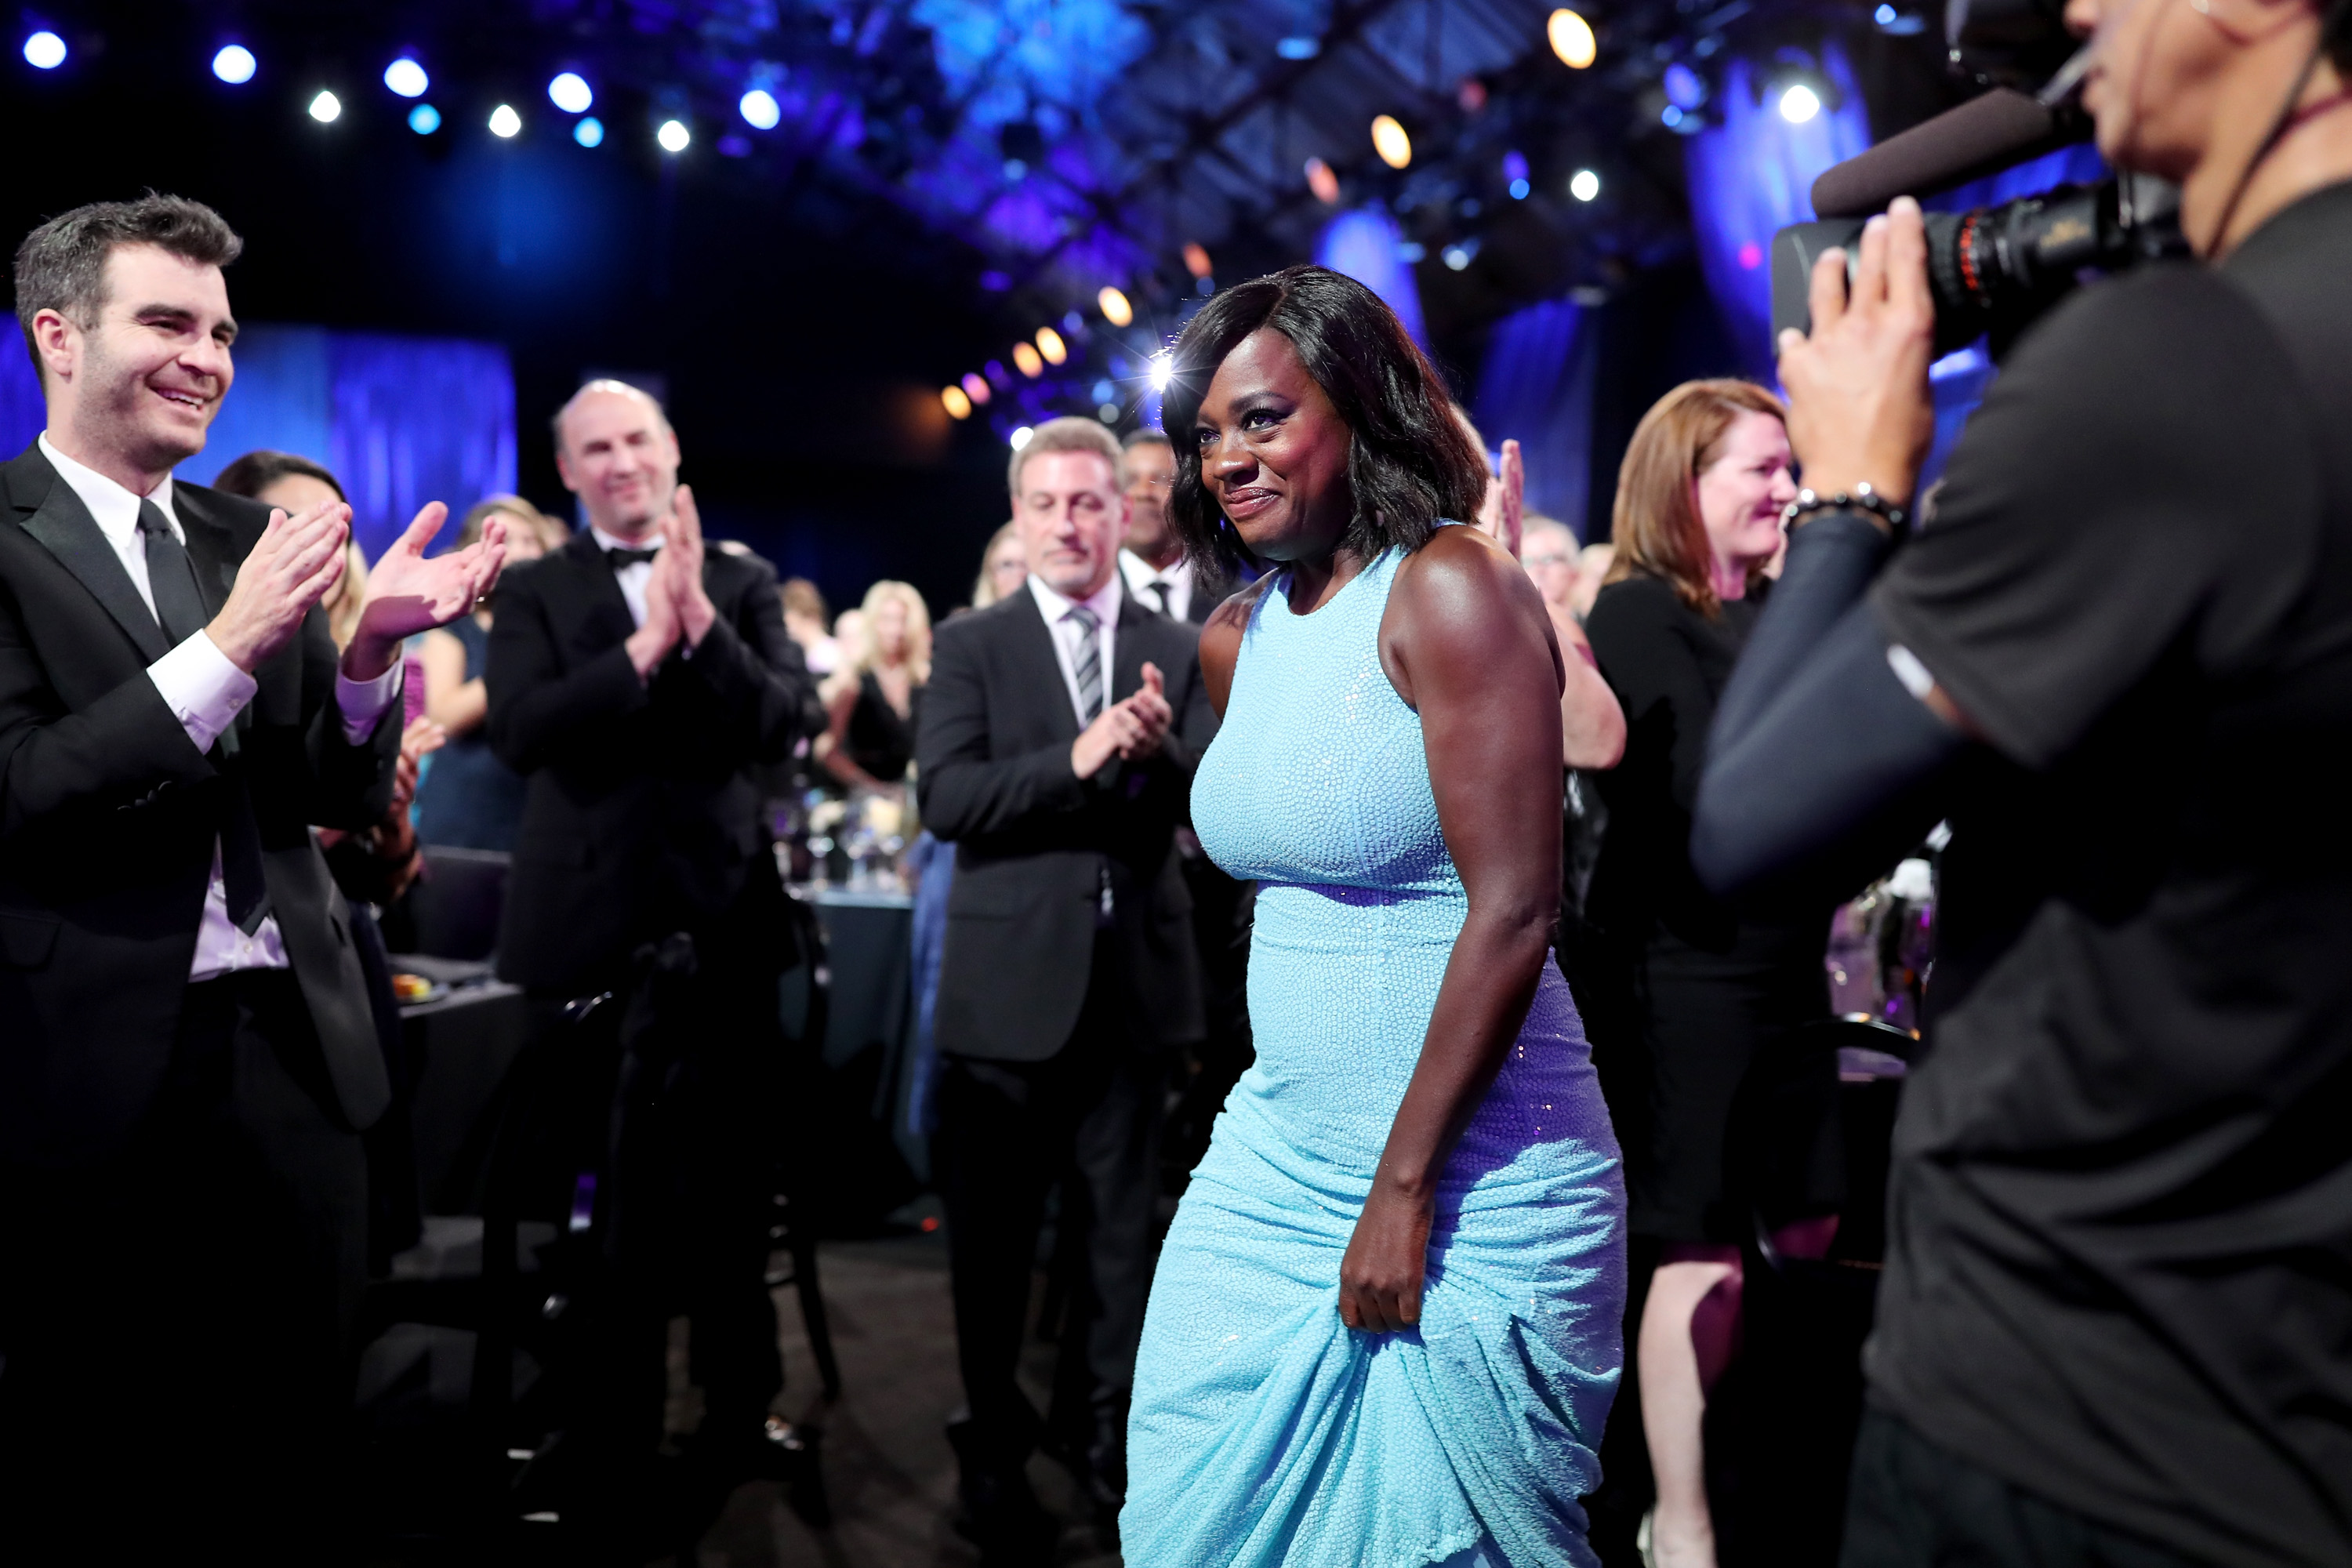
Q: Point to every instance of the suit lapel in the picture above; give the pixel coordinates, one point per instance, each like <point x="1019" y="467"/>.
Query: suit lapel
<point x="1032" y="644"/>
<point x="601" y="602"/>
<point x="65" y="528"/>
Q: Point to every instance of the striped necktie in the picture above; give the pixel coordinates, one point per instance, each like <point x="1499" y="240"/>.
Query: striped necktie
<point x="1085" y="660"/>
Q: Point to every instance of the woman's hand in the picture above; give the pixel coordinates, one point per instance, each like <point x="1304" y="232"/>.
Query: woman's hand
<point x="1380" y="1276"/>
<point x="1860" y="411"/>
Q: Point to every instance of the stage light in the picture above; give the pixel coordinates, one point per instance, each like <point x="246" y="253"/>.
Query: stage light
<point x="406" y="78"/>
<point x="1050" y="344"/>
<point x="589" y="132"/>
<point x="1027" y="360"/>
<point x="975" y="386"/>
<point x="673" y="136"/>
<point x="1020" y="436"/>
<point x="1163" y="370"/>
<point x="1799" y="103"/>
<point x="1684" y="89"/>
<point x="1107" y="411"/>
<point x="1456" y="256"/>
<point x="1883" y="15"/>
<point x="1323" y="182"/>
<point x="424" y="119"/>
<point x="571" y="93"/>
<point x="504" y="121"/>
<point x="1104" y="392"/>
<point x="1298" y="49"/>
<point x="1196" y="259"/>
<point x="235" y="65"/>
<point x="1115" y="308"/>
<point x="958" y="405"/>
<point x="1391" y="143"/>
<point x="1584" y="184"/>
<point x="1571" y="39"/>
<point x="325" y="107"/>
<point x="759" y="109"/>
<point x="1670" y="117"/>
<point x="45" y="51"/>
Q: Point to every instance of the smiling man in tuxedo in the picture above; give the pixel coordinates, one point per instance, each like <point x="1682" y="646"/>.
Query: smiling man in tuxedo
<point x="186" y="1051"/>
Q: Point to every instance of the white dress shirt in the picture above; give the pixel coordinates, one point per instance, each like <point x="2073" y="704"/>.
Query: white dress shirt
<point x="1104" y="603"/>
<point x="632" y="577"/>
<point x="1141" y="575"/>
<point x="205" y="693"/>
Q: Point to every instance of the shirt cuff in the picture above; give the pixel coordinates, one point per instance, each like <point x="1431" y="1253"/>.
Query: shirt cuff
<point x="363" y="702"/>
<point x="203" y="689"/>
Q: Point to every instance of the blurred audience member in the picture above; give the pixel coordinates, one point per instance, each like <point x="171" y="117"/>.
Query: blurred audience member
<point x="1003" y="567"/>
<point x="869" y="701"/>
<point x="290" y="483"/>
<point x="849" y="628"/>
<point x="1548" y="550"/>
<point x="1592" y="564"/>
<point x="1153" y="561"/>
<point x="1719" y="1118"/>
<point x="805" y="618"/>
<point x="468" y="799"/>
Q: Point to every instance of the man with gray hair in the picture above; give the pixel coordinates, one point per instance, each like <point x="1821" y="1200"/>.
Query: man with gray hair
<point x="187" y="1053"/>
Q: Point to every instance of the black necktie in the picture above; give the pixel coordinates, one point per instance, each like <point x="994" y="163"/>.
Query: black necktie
<point x="617" y="559"/>
<point x="1158" y="589"/>
<point x="180" y="610"/>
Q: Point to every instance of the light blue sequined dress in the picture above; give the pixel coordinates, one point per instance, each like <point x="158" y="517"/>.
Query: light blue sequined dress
<point x="1264" y="1430"/>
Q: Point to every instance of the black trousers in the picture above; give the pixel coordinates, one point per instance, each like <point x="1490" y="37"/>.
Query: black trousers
<point x="1088" y="1117"/>
<point x="1916" y="1504"/>
<point x="176" y="1321"/>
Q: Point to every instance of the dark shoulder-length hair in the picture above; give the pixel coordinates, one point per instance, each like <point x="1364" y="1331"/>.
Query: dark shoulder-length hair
<point x="257" y="471"/>
<point x="1410" y="463"/>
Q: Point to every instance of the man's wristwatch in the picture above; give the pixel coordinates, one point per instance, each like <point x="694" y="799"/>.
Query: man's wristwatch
<point x="1861" y="499"/>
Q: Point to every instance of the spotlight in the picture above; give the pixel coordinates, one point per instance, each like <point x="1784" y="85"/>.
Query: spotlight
<point x="235" y="65"/>
<point x="325" y="107"/>
<point x="1519" y="189"/>
<point x="673" y="136"/>
<point x="1799" y="103"/>
<point x="1027" y="360"/>
<point x="1104" y="392"/>
<point x="1163" y="370"/>
<point x="1107" y="411"/>
<point x="1670" y="117"/>
<point x="589" y="132"/>
<point x="1323" y="182"/>
<point x="424" y="119"/>
<point x="1115" y="308"/>
<point x="975" y="387"/>
<point x="1020" y="436"/>
<point x="45" y="51"/>
<point x="1050" y="344"/>
<point x="1196" y="259"/>
<point x="1298" y="49"/>
<point x="1391" y="143"/>
<point x="958" y="405"/>
<point x="1883" y="15"/>
<point x="759" y="109"/>
<point x="1683" y="87"/>
<point x="504" y="121"/>
<point x="1456" y="256"/>
<point x="571" y="93"/>
<point x="1571" y="39"/>
<point x="1584" y="184"/>
<point x="406" y="78"/>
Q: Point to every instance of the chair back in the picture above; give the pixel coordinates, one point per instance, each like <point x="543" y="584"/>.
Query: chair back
<point x="456" y="903"/>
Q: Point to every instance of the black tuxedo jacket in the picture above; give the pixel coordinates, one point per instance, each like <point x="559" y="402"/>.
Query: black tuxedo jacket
<point x="642" y="815"/>
<point x="109" y="817"/>
<point x="1032" y="840"/>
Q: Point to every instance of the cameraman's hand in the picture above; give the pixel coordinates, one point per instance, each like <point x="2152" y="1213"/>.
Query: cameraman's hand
<point x="1860" y="411"/>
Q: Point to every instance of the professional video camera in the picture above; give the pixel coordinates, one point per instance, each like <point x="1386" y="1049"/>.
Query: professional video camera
<point x="1991" y="270"/>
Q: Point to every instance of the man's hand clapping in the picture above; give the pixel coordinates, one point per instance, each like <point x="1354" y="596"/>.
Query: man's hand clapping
<point x="295" y="563"/>
<point x="1130" y="729"/>
<point x="676" y="607"/>
<point x="409" y="593"/>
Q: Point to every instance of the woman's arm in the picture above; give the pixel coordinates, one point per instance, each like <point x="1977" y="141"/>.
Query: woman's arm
<point x="457" y="704"/>
<point x="1468" y="644"/>
<point x="840" y="701"/>
<point x="1591" y="724"/>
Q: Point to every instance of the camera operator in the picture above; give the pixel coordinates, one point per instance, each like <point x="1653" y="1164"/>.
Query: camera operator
<point x="2115" y="1325"/>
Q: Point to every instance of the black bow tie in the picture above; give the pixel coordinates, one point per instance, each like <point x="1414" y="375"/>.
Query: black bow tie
<point x="617" y="559"/>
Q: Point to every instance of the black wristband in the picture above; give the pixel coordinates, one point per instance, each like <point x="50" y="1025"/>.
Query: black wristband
<point x="1862" y="499"/>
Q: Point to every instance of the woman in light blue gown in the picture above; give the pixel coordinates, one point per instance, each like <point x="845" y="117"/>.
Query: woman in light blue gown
<point x="1385" y="1327"/>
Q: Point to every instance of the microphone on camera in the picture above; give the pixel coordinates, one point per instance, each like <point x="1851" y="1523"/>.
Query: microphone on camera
<point x="1985" y="134"/>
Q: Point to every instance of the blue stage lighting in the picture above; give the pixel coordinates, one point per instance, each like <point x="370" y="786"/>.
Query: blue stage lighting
<point x="589" y="132"/>
<point x="1883" y="15"/>
<point x="235" y="65"/>
<point x="759" y="109"/>
<point x="45" y="51"/>
<point x="571" y="93"/>
<point x="1684" y="89"/>
<point x="1519" y="189"/>
<point x="1298" y="49"/>
<point x="424" y="119"/>
<point x="406" y="78"/>
<point x="1670" y="116"/>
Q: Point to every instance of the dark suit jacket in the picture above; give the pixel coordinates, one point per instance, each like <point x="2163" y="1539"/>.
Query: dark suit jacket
<point x="1210" y="589"/>
<point x="641" y="815"/>
<point x="109" y="816"/>
<point x="1033" y="839"/>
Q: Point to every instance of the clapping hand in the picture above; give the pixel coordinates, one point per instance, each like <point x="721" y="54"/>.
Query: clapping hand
<point x="1130" y="729"/>
<point x="682" y="552"/>
<point x="295" y="563"/>
<point x="409" y="592"/>
<point x="1503" y="515"/>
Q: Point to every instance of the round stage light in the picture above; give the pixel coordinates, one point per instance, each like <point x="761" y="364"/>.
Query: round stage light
<point x="955" y="402"/>
<point x="1027" y="360"/>
<point x="1163" y="370"/>
<point x="45" y="51"/>
<point x="1571" y="39"/>
<point x="673" y="136"/>
<point x="1391" y="143"/>
<point x="406" y="78"/>
<point x="1884" y="15"/>
<point x="1196" y="258"/>
<point x="1799" y="103"/>
<point x="1020" y="436"/>
<point x="571" y="93"/>
<point x="1104" y="392"/>
<point x="325" y="107"/>
<point x="589" y="132"/>
<point x="504" y="121"/>
<point x="1115" y="308"/>
<point x="760" y="110"/>
<point x="1323" y="182"/>
<point x="1584" y="184"/>
<point x="1050" y="344"/>
<point x="424" y="119"/>
<point x="975" y="386"/>
<point x="235" y="65"/>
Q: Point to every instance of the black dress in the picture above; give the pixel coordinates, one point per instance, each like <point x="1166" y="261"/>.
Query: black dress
<point x="877" y="739"/>
<point x="1693" y="1005"/>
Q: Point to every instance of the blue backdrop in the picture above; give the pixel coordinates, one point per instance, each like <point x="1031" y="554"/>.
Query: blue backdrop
<point x="1536" y="386"/>
<point x="400" y="421"/>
